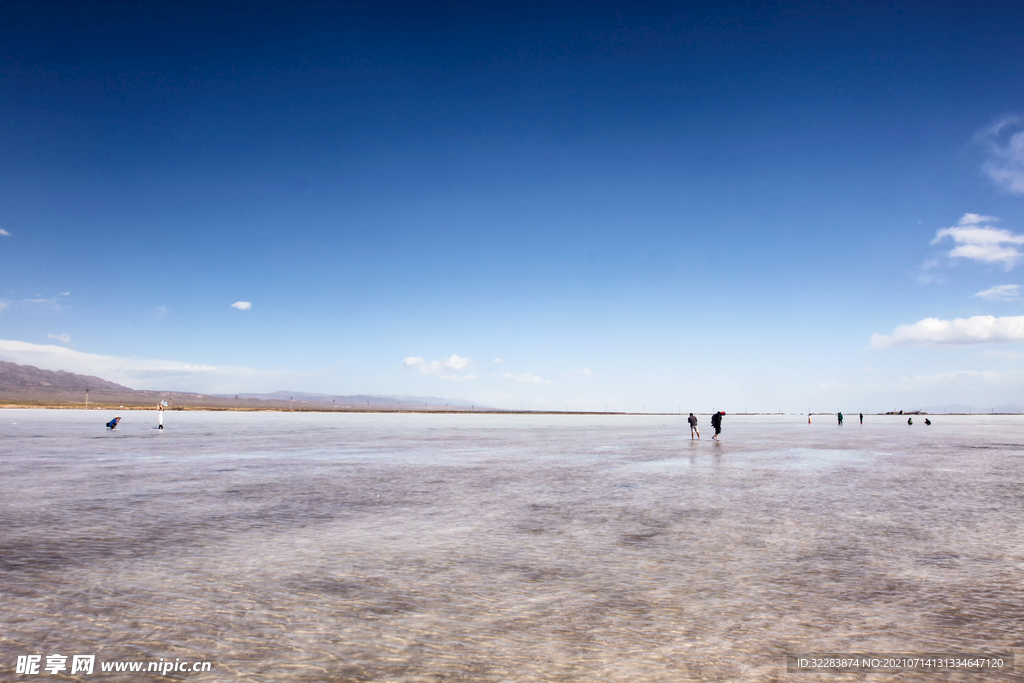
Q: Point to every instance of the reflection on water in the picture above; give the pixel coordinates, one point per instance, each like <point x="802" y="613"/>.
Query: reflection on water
<point x="300" y="547"/>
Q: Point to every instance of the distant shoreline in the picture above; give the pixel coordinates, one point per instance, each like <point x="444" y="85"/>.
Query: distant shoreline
<point x="431" y="411"/>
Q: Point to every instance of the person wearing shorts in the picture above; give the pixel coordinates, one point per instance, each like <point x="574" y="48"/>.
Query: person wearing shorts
<point x="693" y="427"/>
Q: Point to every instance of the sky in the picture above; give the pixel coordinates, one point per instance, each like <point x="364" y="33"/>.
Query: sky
<point x="746" y="206"/>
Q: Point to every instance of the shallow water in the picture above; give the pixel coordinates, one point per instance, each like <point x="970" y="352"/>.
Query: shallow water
<point x="311" y="547"/>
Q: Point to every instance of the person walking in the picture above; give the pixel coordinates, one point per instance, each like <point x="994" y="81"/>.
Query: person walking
<point x="716" y="422"/>
<point x="693" y="426"/>
<point x="840" y="419"/>
<point x="862" y="418"/>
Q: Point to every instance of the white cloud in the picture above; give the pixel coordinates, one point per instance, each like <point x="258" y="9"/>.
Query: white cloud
<point x="1000" y="293"/>
<point x="139" y="373"/>
<point x="526" y="377"/>
<point x="496" y="360"/>
<point x="4" y="233"/>
<point x="242" y="305"/>
<point x="977" y="240"/>
<point x="65" y="293"/>
<point x="980" y="329"/>
<point x="454" y="362"/>
<point x="66" y="338"/>
<point x="976" y="219"/>
<point x="585" y="371"/>
<point x="445" y="369"/>
<point x="1004" y="144"/>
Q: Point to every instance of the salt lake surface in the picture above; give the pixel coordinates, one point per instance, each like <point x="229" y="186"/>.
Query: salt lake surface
<point x="309" y="547"/>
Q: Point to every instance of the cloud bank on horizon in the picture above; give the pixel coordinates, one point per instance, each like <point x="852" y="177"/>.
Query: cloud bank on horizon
<point x="135" y="373"/>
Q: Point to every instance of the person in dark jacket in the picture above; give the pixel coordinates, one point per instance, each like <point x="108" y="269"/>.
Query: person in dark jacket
<point x="716" y="422"/>
<point x="693" y="427"/>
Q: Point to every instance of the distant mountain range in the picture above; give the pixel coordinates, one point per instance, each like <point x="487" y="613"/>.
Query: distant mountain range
<point x="29" y="385"/>
<point x="28" y="377"/>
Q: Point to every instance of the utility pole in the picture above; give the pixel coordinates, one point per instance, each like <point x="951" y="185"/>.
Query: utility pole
<point x="87" y="398"/>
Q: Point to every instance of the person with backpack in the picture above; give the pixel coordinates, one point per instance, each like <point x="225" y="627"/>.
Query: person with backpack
<point x="716" y="422"/>
<point x="693" y="427"/>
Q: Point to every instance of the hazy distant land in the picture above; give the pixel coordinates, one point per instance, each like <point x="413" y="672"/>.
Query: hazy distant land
<point x="29" y="386"/>
<point x="32" y="387"/>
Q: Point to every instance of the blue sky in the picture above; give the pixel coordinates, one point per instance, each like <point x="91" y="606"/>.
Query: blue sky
<point x="703" y="206"/>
